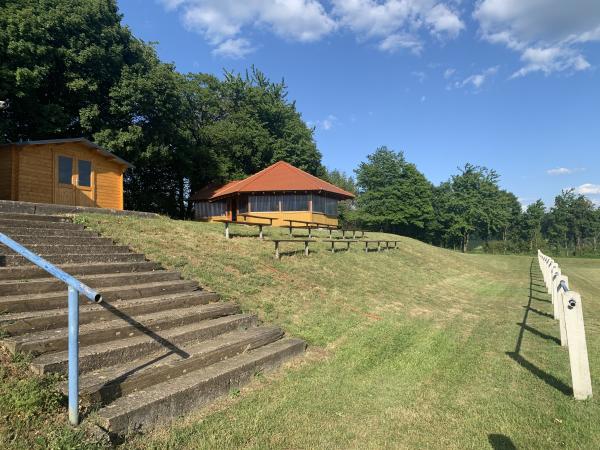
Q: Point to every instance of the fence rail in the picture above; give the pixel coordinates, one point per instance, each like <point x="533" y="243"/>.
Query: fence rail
<point x="568" y="310"/>
<point x="74" y="288"/>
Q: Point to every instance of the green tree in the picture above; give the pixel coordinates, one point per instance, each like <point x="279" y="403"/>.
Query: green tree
<point x="393" y="195"/>
<point x="59" y="59"/>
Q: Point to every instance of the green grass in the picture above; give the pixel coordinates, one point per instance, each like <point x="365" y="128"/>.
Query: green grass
<point x="409" y="348"/>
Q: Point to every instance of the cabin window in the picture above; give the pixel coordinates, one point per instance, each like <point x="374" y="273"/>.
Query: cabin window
<point x="264" y="203"/>
<point x="294" y="202"/>
<point x="85" y="173"/>
<point x="210" y="209"/>
<point x="65" y="170"/>
<point x="318" y="203"/>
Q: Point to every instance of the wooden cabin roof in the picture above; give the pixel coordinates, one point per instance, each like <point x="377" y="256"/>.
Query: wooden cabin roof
<point x="279" y="177"/>
<point x="82" y="141"/>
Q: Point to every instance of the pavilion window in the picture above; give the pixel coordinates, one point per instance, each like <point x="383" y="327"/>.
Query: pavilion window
<point x="264" y="203"/>
<point x="242" y="204"/>
<point x="295" y="202"/>
<point x="210" y="209"/>
<point x="318" y="203"/>
<point x="331" y="206"/>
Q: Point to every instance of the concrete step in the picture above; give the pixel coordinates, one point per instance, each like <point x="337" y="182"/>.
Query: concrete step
<point x="61" y="240"/>
<point x="20" y="223"/>
<point x="106" y="384"/>
<point x="164" y="401"/>
<point x="121" y="326"/>
<point x="51" y="300"/>
<point x="17" y="260"/>
<point x="33" y="272"/>
<point x="96" y="356"/>
<point x="34" y="217"/>
<point x="69" y="249"/>
<point x="42" y="285"/>
<point x="28" y="322"/>
<point x="41" y="232"/>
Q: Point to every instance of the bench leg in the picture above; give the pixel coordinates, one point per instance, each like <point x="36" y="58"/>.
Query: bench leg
<point x="353" y="234"/>
<point x="387" y="245"/>
<point x="290" y="230"/>
<point x="343" y="234"/>
<point x="305" y="248"/>
<point x="276" y="250"/>
<point x="330" y="233"/>
<point x="333" y="247"/>
<point x="366" y="247"/>
<point x="378" y="246"/>
<point x="260" y="233"/>
<point x="226" y="231"/>
<point x="309" y="232"/>
<point x="348" y="245"/>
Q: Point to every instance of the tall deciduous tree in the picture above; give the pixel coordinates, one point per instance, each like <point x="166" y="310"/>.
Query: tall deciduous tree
<point x="393" y="195"/>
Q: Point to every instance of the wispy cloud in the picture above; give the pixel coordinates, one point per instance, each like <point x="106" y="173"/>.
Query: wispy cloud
<point x="476" y="80"/>
<point x="564" y="171"/>
<point x="325" y="124"/>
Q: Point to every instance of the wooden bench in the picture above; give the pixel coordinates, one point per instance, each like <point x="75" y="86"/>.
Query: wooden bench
<point x="277" y="241"/>
<point x="237" y="222"/>
<point x="305" y="225"/>
<point x="335" y="241"/>
<point x="259" y="225"/>
<point x="344" y="231"/>
<point x="379" y="241"/>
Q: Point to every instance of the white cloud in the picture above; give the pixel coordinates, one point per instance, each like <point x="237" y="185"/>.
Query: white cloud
<point x="547" y="33"/>
<point x="423" y="98"/>
<point x="449" y="72"/>
<point x="421" y="76"/>
<point x="442" y="20"/>
<point x="477" y="80"/>
<point x="564" y="171"/>
<point x="222" y="21"/>
<point x="396" y="24"/>
<point x="233" y="48"/>
<point x="588" y="189"/>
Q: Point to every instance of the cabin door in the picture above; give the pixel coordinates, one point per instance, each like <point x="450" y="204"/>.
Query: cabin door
<point x="64" y="190"/>
<point x="74" y="181"/>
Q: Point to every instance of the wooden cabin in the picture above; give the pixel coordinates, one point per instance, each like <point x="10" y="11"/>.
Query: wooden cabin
<point x="281" y="192"/>
<point x="73" y="172"/>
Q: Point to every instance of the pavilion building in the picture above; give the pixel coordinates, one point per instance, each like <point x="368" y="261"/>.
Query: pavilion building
<point x="281" y="192"/>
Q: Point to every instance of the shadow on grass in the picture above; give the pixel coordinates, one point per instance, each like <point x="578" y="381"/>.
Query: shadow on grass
<point x="501" y="442"/>
<point x="538" y="312"/>
<point x="516" y="356"/>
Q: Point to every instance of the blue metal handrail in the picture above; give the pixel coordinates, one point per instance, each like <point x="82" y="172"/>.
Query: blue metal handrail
<point x="74" y="288"/>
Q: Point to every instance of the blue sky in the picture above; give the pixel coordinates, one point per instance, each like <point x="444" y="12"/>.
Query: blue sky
<point x="513" y="85"/>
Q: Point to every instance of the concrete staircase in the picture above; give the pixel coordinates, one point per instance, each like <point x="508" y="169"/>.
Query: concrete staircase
<point x="156" y="348"/>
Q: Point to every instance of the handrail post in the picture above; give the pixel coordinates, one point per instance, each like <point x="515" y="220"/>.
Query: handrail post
<point x="73" y="356"/>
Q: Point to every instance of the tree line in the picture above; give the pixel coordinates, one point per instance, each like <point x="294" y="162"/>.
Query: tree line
<point x="69" y="68"/>
<point x="467" y="212"/>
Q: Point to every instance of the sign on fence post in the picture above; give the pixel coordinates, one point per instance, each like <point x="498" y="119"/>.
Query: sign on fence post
<point x="578" y="355"/>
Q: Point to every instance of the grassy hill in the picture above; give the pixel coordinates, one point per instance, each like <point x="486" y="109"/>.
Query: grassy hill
<point x="412" y="348"/>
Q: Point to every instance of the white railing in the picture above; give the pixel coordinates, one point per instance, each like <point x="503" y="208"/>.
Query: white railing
<point x="568" y="310"/>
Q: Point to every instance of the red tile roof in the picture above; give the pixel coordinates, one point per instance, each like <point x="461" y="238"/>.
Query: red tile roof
<point x="280" y="176"/>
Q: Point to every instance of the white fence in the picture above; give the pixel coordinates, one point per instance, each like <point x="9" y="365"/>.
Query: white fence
<point x="568" y="310"/>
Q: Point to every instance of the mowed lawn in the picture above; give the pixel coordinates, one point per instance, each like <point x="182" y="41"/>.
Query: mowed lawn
<point x="411" y="348"/>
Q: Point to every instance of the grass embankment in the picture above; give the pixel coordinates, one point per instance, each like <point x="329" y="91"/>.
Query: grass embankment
<point x="410" y="348"/>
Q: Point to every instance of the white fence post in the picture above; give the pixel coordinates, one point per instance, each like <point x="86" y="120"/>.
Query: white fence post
<point x="568" y="310"/>
<point x="578" y="355"/>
